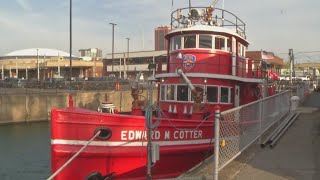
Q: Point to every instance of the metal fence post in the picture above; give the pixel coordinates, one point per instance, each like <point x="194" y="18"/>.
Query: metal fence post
<point x="216" y="141"/>
<point x="261" y="108"/>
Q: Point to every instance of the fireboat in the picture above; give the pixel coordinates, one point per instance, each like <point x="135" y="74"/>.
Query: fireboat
<point x="206" y="67"/>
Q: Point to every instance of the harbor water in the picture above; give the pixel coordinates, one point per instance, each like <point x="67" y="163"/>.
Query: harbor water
<point x="25" y="151"/>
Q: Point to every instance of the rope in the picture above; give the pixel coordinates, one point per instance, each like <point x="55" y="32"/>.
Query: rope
<point x="73" y="157"/>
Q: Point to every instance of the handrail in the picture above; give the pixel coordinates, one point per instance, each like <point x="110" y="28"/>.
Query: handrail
<point x="73" y="157"/>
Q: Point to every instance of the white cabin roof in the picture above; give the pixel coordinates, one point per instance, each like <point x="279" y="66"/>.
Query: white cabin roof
<point x="208" y="28"/>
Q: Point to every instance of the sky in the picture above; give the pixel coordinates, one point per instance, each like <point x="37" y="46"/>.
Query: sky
<point x="273" y="25"/>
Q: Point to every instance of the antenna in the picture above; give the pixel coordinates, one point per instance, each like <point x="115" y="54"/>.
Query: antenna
<point x="215" y="2"/>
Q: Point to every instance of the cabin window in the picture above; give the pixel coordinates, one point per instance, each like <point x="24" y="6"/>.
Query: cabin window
<point x="234" y="45"/>
<point x="240" y="50"/>
<point x="170" y="92"/>
<point x="190" y="41"/>
<point x="162" y="92"/>
<point x="205" y="41"/>
<point x="176" y="43"/>
<point x="212" y="94"/>
<point x="228" y="45"/>
<point x="220" y="43"/>
<point x="243" y="51"/>
<point x="198" y="87"/>
<point x="224" y="95"/>
<point x="182" y="93"/>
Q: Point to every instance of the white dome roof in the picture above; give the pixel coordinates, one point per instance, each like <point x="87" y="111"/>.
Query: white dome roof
<point x="40" y="52"/>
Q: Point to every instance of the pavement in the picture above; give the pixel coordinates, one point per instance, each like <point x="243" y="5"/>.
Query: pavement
<point x="296" y="156"/>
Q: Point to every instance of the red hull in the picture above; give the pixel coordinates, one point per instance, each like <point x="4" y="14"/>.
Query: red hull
<point x="126" y="151"/>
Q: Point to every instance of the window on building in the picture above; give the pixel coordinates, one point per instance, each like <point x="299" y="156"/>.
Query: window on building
<point x="162" y="92"/>
<point x="176" y="43"/>
<point x="190" y="41"/>
<point x="170" y="92"/>
<point x="205" y="41"/>
<point x="161" y="40"/>
<point x="212" y="94"/>
<point x="224" y="95"/>
<point x="220" y="43"/>
<point x="182" y="93"/>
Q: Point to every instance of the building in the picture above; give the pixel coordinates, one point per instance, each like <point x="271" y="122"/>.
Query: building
<point x="43" y="63"/>
<point x="91" y="52"/>
<point x="272" y="61"/>
<point x="159" y="34"/>
<point x="143" y="61"/>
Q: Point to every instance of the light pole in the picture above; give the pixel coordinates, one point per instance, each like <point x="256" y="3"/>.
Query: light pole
<point x="113" y="24"/>
<point x="38" y="74"/>
<point x="125" y="63"/>
<point x="70" y="43"/>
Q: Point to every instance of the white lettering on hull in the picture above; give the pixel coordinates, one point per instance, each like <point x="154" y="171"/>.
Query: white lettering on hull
<point x="156" y="135"/>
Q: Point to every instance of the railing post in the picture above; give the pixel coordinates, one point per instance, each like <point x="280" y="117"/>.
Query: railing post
<point x="216" y="142"/>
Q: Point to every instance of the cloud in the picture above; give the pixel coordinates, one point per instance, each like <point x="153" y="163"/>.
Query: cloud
<point x="24" y="4"/>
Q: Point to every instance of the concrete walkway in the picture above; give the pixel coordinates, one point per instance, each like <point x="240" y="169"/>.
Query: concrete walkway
<point x="296" y="156"/>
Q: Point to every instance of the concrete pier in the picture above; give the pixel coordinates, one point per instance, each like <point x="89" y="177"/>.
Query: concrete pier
<point x="29" y="107"/>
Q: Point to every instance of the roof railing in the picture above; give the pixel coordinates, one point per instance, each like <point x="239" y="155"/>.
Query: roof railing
<point x="188" y="17"/>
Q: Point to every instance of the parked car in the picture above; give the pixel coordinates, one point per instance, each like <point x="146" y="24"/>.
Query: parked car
<point x="284" y="78"/>
<point x="304" y="77"/>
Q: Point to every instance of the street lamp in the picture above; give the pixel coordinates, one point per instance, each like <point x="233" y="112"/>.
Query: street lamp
<point x="113" y="24"/>
<point x="38" y="74"/>
<point x="70" y="58"/>
<point x="125" y="64"/>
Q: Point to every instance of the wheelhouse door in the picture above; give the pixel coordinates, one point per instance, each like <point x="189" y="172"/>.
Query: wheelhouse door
<point x="237" y="96"/>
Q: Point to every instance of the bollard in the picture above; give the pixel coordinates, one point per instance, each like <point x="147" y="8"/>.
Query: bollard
<point x="216" y="141"/>
<point x="294" y="103"/>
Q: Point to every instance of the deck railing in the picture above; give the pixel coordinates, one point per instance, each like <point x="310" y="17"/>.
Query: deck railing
<point x="190" y="16"/>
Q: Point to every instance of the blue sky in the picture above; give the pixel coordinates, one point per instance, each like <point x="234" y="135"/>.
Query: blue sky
<point x="273" y="25"/>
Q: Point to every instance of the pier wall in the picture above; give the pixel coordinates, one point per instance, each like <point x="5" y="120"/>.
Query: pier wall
<point x="16" y="108"/>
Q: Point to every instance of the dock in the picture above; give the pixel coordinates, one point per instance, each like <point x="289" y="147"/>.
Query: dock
<point x="296" y="156"/>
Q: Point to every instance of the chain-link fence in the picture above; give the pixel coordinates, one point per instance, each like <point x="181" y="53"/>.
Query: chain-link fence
<point x="241" y="126"/>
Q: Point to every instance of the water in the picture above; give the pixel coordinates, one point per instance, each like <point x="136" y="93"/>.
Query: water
<point x="25" y="151"/>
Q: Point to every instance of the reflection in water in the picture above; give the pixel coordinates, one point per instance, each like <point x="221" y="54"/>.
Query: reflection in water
<point x="25" y="151"/>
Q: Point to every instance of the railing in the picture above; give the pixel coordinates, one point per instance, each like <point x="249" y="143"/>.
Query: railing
<point x="207" y="16"/>
<point x="36" y="87"/>
<point x="241" y="126"/>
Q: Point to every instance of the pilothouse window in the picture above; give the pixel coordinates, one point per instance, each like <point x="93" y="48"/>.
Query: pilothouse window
<point x="176" y="43"/>
<point x="205" y="41"/>
<point x="190" y="41"/>
<point x="220" y="43"/>
<point x="228" y="45"/>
